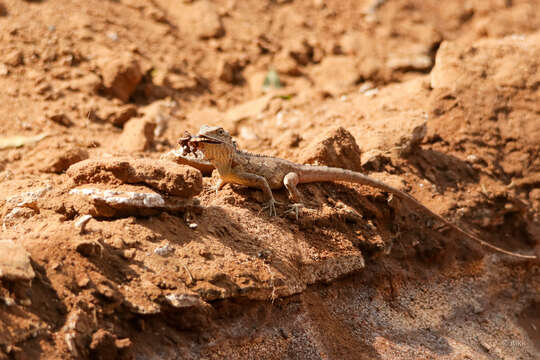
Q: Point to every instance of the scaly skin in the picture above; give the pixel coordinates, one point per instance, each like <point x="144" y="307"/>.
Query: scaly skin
<point x="267" y="173"/>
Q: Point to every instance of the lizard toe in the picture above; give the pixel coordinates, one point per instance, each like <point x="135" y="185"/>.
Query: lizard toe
<point x="294" y="209"/>
<point x="271" y="207"/>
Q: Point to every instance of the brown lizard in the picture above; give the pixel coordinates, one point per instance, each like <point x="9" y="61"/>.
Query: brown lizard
<point x="267" y="173"/>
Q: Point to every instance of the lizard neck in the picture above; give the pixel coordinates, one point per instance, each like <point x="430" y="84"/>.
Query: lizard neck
<point x="219" y="155"/>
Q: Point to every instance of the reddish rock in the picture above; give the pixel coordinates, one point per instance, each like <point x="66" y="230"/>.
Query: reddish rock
<point x="337" y="148"/>
<point x="138" y="135"/>
<point x="118" y="115"/>
<point x="200" y="18"/>
<point x="161" y="175"/>
<point x="121" y="76"/>
<point x="14" y="262"/>
<point x="59" y="160"/>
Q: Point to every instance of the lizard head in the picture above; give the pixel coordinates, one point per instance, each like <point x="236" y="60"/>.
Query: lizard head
<point x="214" y="142"/>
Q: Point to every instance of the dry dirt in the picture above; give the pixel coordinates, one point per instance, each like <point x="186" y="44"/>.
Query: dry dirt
<point x="123" y="256"/>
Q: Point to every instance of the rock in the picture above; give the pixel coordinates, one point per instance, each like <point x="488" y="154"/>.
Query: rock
<point x="492" y="85"/>
<point x="82" y="222"/>
<point x="3" y="10"/>
<point x="138" y="135"/>
<point x="185" y="300"/>
<point x="121" y="76"/>
<point x="103" y="345"/>
<point x="400" y="137"/>
<point x="510" y="62"/>
<point x="414" y="131"/>
<point x="200" y="19"/>
<point x="230" y="70"/>
<point x="336" y="148"/>
<point x="88" y="248"/>
<point x="3" y="70"/>
<point x="14" y="58"/>
<point x="59" y="160"/>
<point x="77" y="330"/>
<point x="14" y="262"/>
<point x="126" y="200"/>
<point x="164" y="250"/>
<point x="61" y="119"/>
<point x="118" y="115"/>
<point x="161" y="175"/>
<point x="419" y="62"/>
<point x="336" y="74"/>
<point x="299" y="49"/>
<point x="374" y="160"/>
<point x="17" y="215"/>
<point x="27" y="199"/>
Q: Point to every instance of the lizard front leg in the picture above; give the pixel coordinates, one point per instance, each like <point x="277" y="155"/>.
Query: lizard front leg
<point x="290" y="181"/>
<point x="257" y="181"/>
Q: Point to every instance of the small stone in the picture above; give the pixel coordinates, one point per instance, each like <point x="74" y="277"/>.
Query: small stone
<point x="88" y="248"/>
<point x="230" y="71"/>
<point x="138" y="135"/>
<point x="61" y="119"/>
<point x="185" y="300"/>
<point x="121" y="76"/>
<point x="129" y="254"/>
<point x="105" y="345"/>
<point x="3" y="70"/>
<point x="193" y="226"/>
<point x="201" y="19"/>
<point x="14" y="58"/>
<point x="3" y="10"/>
<point x="112" y="35"/>
<point x="15" y="262"/>
<point x="337" y="147"/>
<point x="81" y="223"/>
<point x="59" y="160"/>
<point x="83" y="281"/>
<point x="119" y="116"/>
<point x="164" y="250"/>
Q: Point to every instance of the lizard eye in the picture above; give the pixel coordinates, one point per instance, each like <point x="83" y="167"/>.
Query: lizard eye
<point x="221" y="132"/>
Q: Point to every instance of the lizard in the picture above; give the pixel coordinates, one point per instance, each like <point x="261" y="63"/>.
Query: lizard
<point x="269" y="173"/>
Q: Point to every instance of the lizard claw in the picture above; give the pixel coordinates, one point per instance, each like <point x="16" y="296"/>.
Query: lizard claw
<point x="294" y="209"/>
<point x="271" y="206"/>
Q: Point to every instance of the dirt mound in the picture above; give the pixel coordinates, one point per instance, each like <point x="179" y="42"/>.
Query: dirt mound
<point x="110" y="249"/>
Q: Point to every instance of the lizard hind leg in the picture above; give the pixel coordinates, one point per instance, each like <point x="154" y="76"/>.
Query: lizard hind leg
<point x="290" y="181"/>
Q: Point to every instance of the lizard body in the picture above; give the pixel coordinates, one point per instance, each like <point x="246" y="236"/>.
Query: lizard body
<point x="268" y="173"/>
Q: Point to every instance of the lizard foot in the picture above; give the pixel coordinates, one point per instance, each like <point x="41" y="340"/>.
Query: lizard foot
<point x="294" y="209"/>
<point x="271" y="207"/>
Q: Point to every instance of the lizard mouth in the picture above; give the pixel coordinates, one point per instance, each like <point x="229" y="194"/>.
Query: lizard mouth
<point x="203" y="139"/>
<point x="191" y="144"/>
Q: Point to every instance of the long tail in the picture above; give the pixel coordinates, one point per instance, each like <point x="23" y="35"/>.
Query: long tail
<point x="308" y="174"/>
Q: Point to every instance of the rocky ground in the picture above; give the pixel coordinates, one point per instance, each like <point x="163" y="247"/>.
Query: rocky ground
<point x="111" y="248"/>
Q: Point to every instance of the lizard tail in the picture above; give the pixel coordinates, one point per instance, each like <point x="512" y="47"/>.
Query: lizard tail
<point x="308" y="174"/>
